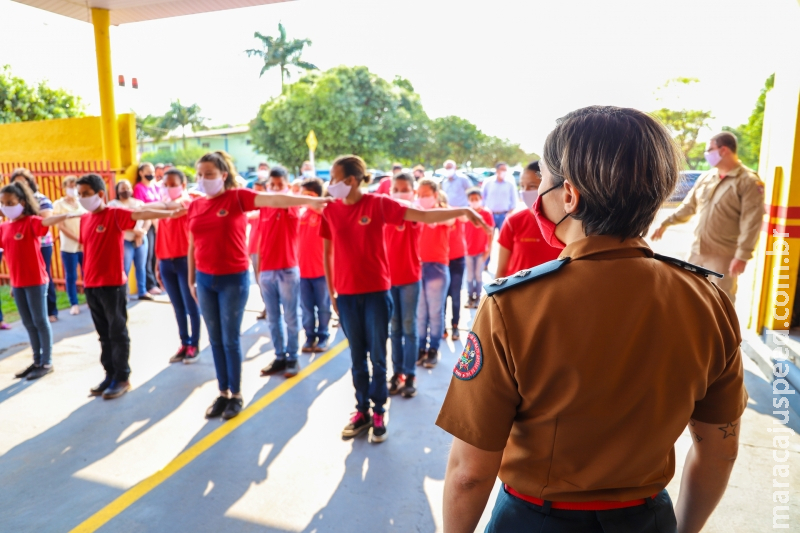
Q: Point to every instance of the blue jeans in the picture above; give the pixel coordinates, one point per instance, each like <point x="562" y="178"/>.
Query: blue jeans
<point x="365" y="321"/>
<point x="175" y="277"/>
<point x="499" y="218"/>
<point x="430" y="311"/>
<point x="404" y="328"/>
<point x="474" y="276"/>
<point x="222" y="301"/>
<point x="454" y="290"/>
<point x="71" y="260"/>
<point x="137" y="256"/>
<point x="282" y="287"/>
<point x="514" y="515"/>
<point x="47" y="255"/>
<point x="32" y="306"/>
<point x="314" y="294"/>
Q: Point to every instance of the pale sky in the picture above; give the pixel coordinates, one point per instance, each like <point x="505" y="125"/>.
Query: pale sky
<point x="510" y="66"/>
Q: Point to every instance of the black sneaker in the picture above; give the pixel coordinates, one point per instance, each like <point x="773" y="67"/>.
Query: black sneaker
<point x="396" y="383"/>
<point x="423" y="354"/>
<point x="359" y="423"/>
<point x="292" y="368"/>
<point x="277" y="365"/>
<point x="378" y="433"/>
<point x="179" y="355"/>
<point x="40" y="371"/>
<point x="217" y="407"/>
<point x="192" y="354"/>
<point x="25" y="372"/>
<point x="98" y="390"/>
<point x="233" y="408"/>
<point x="116" y="389"/>
<point x="431" y="359"/>
<point x="409" y="390"/>
<point x="456" y="335"/>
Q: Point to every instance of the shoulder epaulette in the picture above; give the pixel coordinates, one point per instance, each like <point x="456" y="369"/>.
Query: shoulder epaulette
<point x="688" y="266"/>
<point x="523" y="276"/>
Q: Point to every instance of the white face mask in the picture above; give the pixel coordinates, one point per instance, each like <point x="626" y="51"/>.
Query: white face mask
<point x="501" y="174"/>
<point x="72" y="192"/>
<point x="713" y="157"/>
<point x="91" y="203"/>
<point x="477" y="204"/>
<point x="449" y="172"/>
<point x="427" y="202"/>
<point x="308" y="173"/>
<point x="213" y="186"/>
<point x="339" y="189"/>
<point x="408" y="196"/>
<point x="12" y="211"/>
<point x="529" y="197"/>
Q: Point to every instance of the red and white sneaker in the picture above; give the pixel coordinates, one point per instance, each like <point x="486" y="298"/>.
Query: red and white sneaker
<point x="192" y="354"/>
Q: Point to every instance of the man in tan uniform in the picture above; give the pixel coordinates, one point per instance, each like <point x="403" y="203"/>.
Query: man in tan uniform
<point x="730" y="201"/>
<point x="579" y="376"/>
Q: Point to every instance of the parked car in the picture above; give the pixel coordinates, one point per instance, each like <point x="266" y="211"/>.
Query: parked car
<point x="685" y="183"/>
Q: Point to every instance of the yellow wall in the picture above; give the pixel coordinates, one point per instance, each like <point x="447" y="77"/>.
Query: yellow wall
<point x="66" y="139"/>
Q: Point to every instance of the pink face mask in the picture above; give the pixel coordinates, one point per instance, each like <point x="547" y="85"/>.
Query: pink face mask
<point x="547" y="226"/>
<point x="174" y="192"/>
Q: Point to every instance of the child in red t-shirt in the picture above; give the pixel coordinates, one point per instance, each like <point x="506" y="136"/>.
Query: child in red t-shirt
<point x="479" y="246"/>
<point x="102" y="235"/>
<point x="315" y="301"/>
<point x="253" y="241"/>
<point x="353" y="229"/>
<point x="20" y="237"/>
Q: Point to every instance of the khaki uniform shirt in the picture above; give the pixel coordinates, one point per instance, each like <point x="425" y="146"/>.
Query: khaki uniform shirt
<point x="730" y="209"/>
<point x="586" y="377"/>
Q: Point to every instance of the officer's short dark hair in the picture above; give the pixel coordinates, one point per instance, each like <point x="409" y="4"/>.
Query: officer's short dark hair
<point x="94" y="182"/>
<point x="725" y="138"/>
<point x="313" y="185"/>
<point x="622" y="161"/>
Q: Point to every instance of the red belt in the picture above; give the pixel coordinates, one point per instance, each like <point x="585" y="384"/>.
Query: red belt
<point x="579" y="506"/>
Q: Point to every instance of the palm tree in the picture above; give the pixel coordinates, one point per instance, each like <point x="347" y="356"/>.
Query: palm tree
<point x="149" y="127"/>
<point x="282" y="53"/>
<point x="180" y="115"/>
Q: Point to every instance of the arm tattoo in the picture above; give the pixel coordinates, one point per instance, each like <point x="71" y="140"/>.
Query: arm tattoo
<point x="729" y="430"/>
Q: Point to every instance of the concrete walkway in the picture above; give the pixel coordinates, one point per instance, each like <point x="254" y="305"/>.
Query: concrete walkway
<point x="64" y="456"/>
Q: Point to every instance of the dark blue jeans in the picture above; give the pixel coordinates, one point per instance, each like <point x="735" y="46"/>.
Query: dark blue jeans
<point x="513" y="515"/>
<point x="405" y="340"/>
<point x="175" y="277"/>
<point x="499" y="218"/>
<point x="47" y="255"/>
<point x="316" y="305"/>
<point x="222" y="301"/>
<point x="457" y="267"/>
<point x="71" y="261"/>
<point x="365" y="321"/>
<point x="32" y="306"/>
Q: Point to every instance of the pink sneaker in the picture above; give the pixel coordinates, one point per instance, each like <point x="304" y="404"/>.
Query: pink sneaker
<point x="190" y="355"/>
<point x="378" y="428"/>
<point x="359" y="423"/>
<point x="3" y="325"/>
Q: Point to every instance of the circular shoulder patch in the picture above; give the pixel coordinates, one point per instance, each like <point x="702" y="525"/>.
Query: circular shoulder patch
<point x="471" y="360"/>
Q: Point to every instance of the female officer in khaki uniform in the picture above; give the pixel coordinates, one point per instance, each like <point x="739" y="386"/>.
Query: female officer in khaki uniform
<point x="579" y="376"/>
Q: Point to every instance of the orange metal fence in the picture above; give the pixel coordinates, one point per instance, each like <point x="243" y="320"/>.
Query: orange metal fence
<point x="49" y="177"/>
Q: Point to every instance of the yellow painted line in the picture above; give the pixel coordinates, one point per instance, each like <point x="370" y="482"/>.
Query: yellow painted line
<point x="785" y="221"/>
<point x="129" y="497"/>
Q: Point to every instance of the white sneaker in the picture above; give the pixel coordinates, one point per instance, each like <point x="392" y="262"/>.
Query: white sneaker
<point x="74" y="310"/>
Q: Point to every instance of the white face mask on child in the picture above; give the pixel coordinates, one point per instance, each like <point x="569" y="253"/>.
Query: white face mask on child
<point x="92" y="203"/>
<point x="427" y="202"/>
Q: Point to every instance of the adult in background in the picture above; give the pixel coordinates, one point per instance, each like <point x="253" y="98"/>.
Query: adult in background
<point x="69" y="235"/>
<point x="500" y="195"/>
<point x="729" y="199"/>
<point x="135" y="239"/>
<point x="146" y="191"/>
<point x="45" y="210"/>
<point x="455" y="185"/>
<point x="576" y="453"/>
<point x="307" y="171"/>
<point x="419" y="173"/>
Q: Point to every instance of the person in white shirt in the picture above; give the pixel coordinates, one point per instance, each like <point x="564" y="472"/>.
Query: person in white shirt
<point x="69" y="233"/>
<point x="500" y="195"/>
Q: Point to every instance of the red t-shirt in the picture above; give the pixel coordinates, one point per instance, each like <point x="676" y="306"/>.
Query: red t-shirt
<point x="253" y="240"/>
<point x="172" y="237"/>
<point x="359" y="246"/>
<point x="385" y="187"/>
<point x="310" y="244"/>
<point x="21" y="240"/>
<point x="435" y="243"/>
<point x="402" y="245"/>
<point x="521" y="235"/>
<point x="278" y="232"/>
<point x="458" y="247"/>
<point x="219" y="228"/>
<point x="477" y="239"/>
<point x="102" y="235"/>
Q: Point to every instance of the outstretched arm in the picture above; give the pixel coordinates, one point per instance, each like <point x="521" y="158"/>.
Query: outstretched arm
<point x="57" y="219"/>
<point x="264" y="199"/>
<point x="434" y="216"/>
<point x="156" y="214"/>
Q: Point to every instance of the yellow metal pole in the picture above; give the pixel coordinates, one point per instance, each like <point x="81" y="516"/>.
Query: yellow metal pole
<point x="105" y="83"/>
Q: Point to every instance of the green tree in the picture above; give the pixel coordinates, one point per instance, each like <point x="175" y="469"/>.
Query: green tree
<point x="684" y="124"/>
<point x="148" y="127"/>
<point x="281" y="53"/>
<point x="351" y="110"/>
<point x="21" y="102"/>
<point x="180" y="115"/>
<point x="453" y="138"/>
<point x="749" y="134"/>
